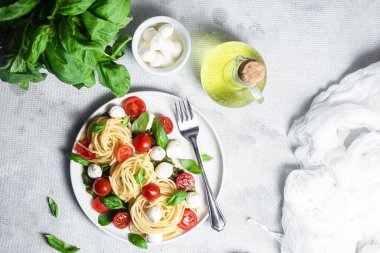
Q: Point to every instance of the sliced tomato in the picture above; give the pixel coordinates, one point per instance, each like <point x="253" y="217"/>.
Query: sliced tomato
<point x="121" y="220"/>
<point x="84" y="152"/>
<point x="99" y="206"/>
<point x="123" y="153"/>
<point x="167" y="123"/>
<point x="142" y="142"/>
<point x="185" y="181"/>
<point x="151" y="191"/>
<point x="189" y="220"/>
<point x="102" y="186"/>
<point x="134" y="106"/>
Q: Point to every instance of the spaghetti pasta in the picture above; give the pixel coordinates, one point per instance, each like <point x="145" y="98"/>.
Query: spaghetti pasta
<point x="171" y="215"/>
<point x="122" y="176"/>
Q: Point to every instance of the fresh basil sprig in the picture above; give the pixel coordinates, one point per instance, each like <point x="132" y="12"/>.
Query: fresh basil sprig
<point x="53" y="207"/>
<point x="191" y="166"/>
<point x="159" y="134"/>
<point x="138" y="241"/>
<point x="78" y="159"/>
<point x="60" y="245"/>
<point x="125" y="122"/>
<point x="105" y="219"/>
<point x="97" y="128"/>
<point x="206" y="157"/>
<point x="112" y="202"/>
<point x="140" y="176"/>
<point x="141" y="123"/>
<point x="177" y="197"/>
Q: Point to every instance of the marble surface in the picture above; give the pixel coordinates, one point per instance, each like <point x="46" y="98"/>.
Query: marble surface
<point x="307" y="46"/>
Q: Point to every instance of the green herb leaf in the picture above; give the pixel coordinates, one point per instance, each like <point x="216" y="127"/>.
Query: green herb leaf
<point x="159" y="133"/>
<point x="17" y="9"/>
<point x="140" y="176"/>
<point x="140" y="124"/>
<point x="53" y="207"/>
<point x="114" y="76"/>
<point x="191" y="166"/>
<point x="105" y="219"/>
<point x="138" y="241"/>
<point x="126" y="121"/>
<point x="112" y="202"/>
<point x="97" y="128"/>
<point x="206" y="157"/>
<point x="118" y="48"/>
<point x="60" y="245"/>
<point x="78" y="159"/>
<point x="74" y="7"/>
<point x="177" y="197"/>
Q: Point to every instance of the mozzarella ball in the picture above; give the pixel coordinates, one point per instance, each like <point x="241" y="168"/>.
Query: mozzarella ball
<point x="157" y="42"/>
<point x="167" y="62"/>
<point x="157" y="153"/>
<point x="193" y="199"/>
<point x="155" y="238"/>
<point x="164" y="170"/>
<point x="158" y="59"/>
<point x="94" y="171"/>
<point x="117" y="112"/>
<point x="150" y="122"/>
<point x="147" y="55"/>
<point x="174" y="149"/>
<point x="154" y="214"/>
<point x="168" y="48"/>
<point x="149" y="33"/>
<point x="177" y="49"/>
<point x="166" y="30"/>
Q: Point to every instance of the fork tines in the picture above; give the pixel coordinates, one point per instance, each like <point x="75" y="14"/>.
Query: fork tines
<point x="183" y="111"/>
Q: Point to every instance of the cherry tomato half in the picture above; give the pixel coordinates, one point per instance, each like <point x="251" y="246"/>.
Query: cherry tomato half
<point x="123" y="153"/>
<point x="142" y="142"/>
<point x="99" y="206"/>
<point x="84" y="152"/>
<point x="101" y="186"/>
<point x="121" y="220"/>
<point x="167" y="123"/>
<point x="134" y="106"/>
<point x="185" y="181"/>
<point x="151" y="191"/>
<point x="189" y="220"/>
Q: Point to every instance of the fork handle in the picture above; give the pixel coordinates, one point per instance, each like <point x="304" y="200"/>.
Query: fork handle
<point x="216" y="217"/>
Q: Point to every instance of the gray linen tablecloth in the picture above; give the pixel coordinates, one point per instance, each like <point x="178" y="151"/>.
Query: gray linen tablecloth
<point x="307" y="45"/>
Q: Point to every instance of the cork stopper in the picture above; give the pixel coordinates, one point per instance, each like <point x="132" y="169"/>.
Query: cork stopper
<point x="251" y="71"/>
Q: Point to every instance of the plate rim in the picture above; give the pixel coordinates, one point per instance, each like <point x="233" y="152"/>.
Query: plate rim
<point x="72" y="163"/>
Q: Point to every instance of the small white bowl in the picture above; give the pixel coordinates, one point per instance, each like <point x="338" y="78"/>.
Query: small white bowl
<point x="182" y="34"/>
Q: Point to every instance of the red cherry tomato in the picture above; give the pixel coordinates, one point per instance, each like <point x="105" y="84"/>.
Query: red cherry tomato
<point x="134" y="106"/>
<point x="99" y="206"/>
<point x="101" y="186"/>
<point x="142" y="142"/>
<point x="121" y="220"/>
<point x="84" y="152"/>
<point x="123" y="153"/>
<point x="151" y="191"/>
<point x="167" y="124"/>
<point x="185" y="181"/>
<point x="189" y="220"/>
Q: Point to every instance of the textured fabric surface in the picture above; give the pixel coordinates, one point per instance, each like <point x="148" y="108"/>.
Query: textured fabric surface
<point x="307" y="45"/>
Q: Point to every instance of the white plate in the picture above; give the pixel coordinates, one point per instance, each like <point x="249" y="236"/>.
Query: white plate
<point x="159" y="103"/>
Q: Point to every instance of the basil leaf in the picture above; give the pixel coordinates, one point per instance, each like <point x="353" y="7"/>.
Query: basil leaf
<point x="74" y="7"/>
<point x="177" y="197"/>
<point x="126" y="121"/>
<point x="60" y="245"/>
<point x="53" y="207"/>
<point x="159" y="133"/>
<point x="78" y="159"/>
<point x="105" y="219"/>
<point x="112" y="202"/>
<point x="206" y="157"/>
<point x="140" y="176"/>
<point x="191" y="166"/>
<point x="118" y="48"/>
<point x="140" y="124"/>
<point x="114" y="76"/>
<point x="138" y="241"/>
<point x="97" y="128"/>
<point x="16" y="9"/>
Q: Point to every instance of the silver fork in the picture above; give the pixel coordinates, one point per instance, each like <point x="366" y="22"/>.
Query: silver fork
<point x="189" y="128"/>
